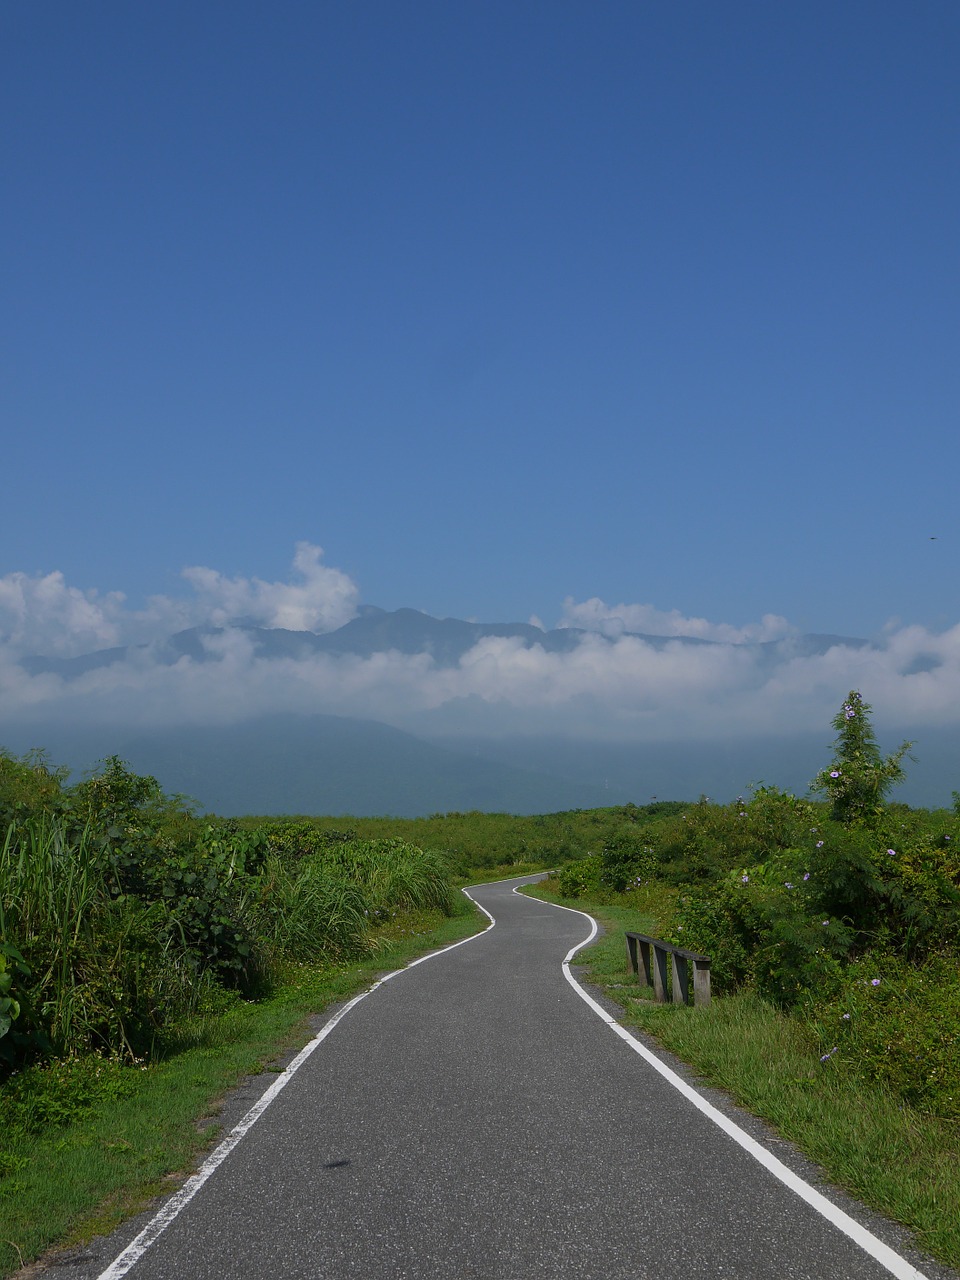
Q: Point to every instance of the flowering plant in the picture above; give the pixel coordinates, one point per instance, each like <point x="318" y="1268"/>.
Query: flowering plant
<point x="860" y="777"/>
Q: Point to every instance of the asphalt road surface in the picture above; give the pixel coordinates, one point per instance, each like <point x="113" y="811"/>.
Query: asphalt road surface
<point x="474" y="1116"/>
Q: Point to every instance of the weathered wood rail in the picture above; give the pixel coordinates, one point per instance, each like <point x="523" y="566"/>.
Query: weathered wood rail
<point x="653" y="952"/>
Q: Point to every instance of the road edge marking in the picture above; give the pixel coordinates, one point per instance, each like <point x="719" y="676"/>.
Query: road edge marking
<point x="894" y="1262"/>
<point x="168" y="1212"/>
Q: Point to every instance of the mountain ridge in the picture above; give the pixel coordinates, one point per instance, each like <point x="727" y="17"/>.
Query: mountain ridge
<point x="407" y="631"/>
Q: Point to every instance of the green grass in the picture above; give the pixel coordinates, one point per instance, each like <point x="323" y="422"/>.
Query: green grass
<point x="896" y="1160"/>
<point x="77" y="1179"/>
<point x="475" y="840"/>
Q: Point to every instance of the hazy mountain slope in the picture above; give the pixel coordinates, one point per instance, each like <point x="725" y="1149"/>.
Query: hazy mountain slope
<point x="335" y="765"/>
<point x="313" y="764"/>
<point x="719" y="769"/>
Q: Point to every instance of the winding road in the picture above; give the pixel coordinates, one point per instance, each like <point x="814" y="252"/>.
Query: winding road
<point x="478" y="1115"/>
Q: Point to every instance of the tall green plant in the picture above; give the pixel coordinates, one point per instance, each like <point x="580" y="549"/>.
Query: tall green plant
<point x="860" y="778"/>
<point x="29" y="784"/>
<point x="304" y="911"/>
<point x="394" y="875"/>
<point x="97" y="971"/>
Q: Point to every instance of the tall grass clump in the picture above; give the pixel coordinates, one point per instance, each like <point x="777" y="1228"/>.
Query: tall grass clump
<point x="121" y="912"/>
<point x="394" y="875"/>
<point x="305" y="912"/>
<point x="320" y="892"/>
<point x="94" y="970"/>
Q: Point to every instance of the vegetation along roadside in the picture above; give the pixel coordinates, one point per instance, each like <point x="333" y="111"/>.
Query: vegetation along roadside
<point x="150" y="958"/>
<point x="833" y="928"/>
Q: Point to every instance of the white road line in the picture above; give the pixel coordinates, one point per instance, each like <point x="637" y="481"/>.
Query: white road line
<point x="179" y="1201"/>
<point x="887" y="1257"/>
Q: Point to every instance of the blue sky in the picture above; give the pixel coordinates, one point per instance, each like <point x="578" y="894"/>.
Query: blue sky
<point x="501" y="304"/>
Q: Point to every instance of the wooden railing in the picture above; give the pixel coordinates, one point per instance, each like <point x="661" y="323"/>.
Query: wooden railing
<point x="653" y="953"/>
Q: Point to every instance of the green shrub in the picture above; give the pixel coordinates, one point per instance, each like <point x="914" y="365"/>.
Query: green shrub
<point x="758" y="929"/>
<point x="784" y="925"/>
<point x="43" y="1097"/>
<point x="297" y="838"/>
<point x="30" y="785"/>
<point x="708" y="840"/>
<point x="202" y="888"/>
<point x="628" y="857"/>
<point x="575" y="879"/>
<point x="20" y="1034"/>
<point x="899" y="1024"/>
<point x="580" y="878"/>
<point x="200" y="874"/>
<point x="898" y="890"/>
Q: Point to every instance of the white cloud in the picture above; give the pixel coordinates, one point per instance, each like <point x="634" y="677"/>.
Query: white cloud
<point x="617" y="688"/>
<point x="322" y="600"/>
<point x="644" y="619"/>
<point x="42" y="615"/>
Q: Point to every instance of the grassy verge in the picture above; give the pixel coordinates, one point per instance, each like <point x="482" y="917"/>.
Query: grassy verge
<point x="144" y="1126"/>
<point x="896" y="1160"/>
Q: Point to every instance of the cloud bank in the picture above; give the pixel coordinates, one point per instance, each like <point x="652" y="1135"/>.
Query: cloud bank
<point x="43" y="615"/>
<point x="614" y="685"/>
<point x="615" y="620"/>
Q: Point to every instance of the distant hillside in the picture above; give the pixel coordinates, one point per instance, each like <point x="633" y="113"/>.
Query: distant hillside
<point x="720" y="769"/>
<point x="334" y="765"/>
<point x="313" y="764"/>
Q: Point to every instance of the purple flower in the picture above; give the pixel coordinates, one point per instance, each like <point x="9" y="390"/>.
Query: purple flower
<point x="834" y="773"/>
<point x="892" y="853"/>
<point x="806" y="875"/>
<point x="825" y="923"/>
<point x="745" y="878"/>
<point x="826" y="1056"/>
<point x="874" y="982"/>
<point x="846" y="1017"/>
<point x="819" y="844"/>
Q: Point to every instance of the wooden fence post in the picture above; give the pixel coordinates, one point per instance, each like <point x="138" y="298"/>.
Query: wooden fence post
<point x="652" y="954"/>
<point x="647" y="963"/>
<point x="701" y="982"/>
<point x="680" y="984"/>
<point x="659" y="973"/>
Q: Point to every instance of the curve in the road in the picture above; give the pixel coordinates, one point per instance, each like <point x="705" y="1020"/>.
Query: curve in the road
<point x="887" y="1257"/>
<point x="864" y="1240"/>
